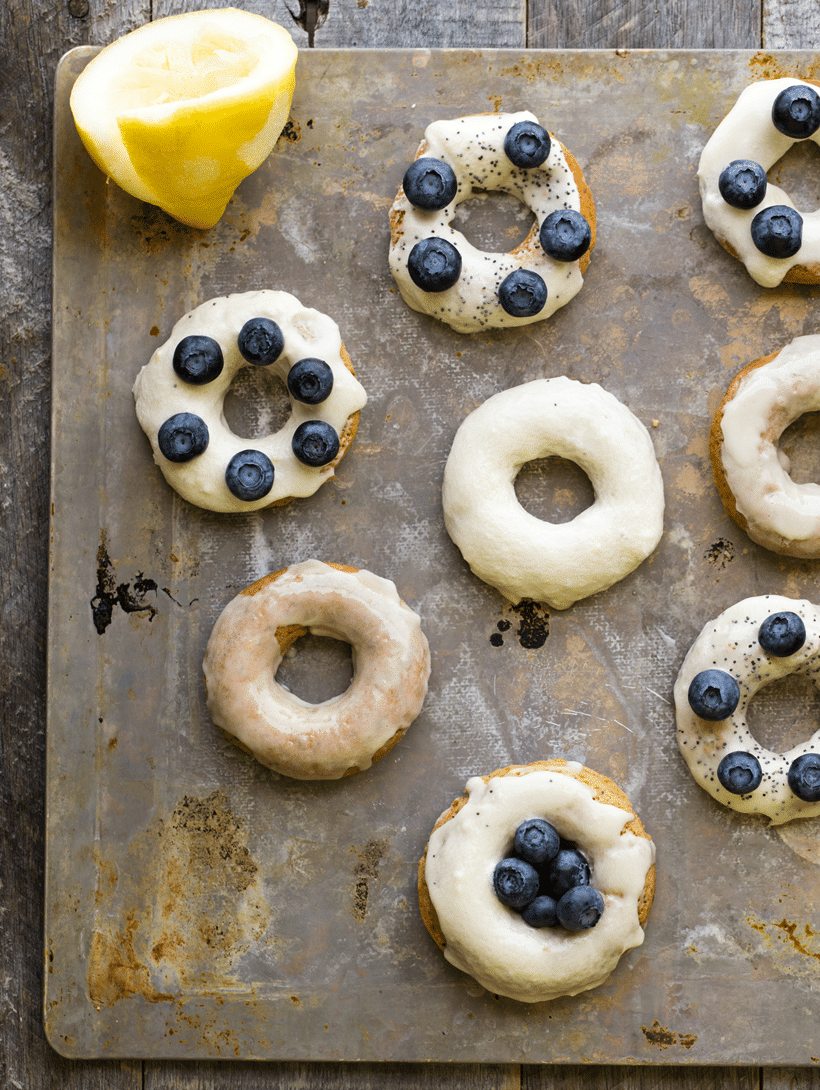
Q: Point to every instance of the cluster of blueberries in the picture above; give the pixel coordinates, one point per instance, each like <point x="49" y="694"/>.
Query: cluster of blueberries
<point x="776" y="231"/>
<point x="434" y="264"/>
<point x="547" y="880"/>
<point x="198" y="360"/>
<point x="714" y="695"/>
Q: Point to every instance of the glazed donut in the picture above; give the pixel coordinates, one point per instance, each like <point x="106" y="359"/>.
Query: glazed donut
<point x="748" y="646"/>
<point x="181" y="391"/>
<point x="751" y="473"/>
<point x="519" y="554"/>
<point x="753" y="219"/>
<point x="491" y="941"/>
<point x="441" y="274"/>
<point x="347" y="733"/>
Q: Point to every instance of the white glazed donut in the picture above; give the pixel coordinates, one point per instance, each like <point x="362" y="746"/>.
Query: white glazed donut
<point x="469" y="154"/>
<point x="491" y="942"/>
<point x="347" y="733"/>
<point x="756" y="221"/>
<point x="751" y="472"/>
<point x="732" y="658"/>
<point x="182" y="389"/>
<point x="521" y="555"/>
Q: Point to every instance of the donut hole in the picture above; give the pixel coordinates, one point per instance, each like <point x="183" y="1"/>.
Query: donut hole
<point x="798" y="174"/>
<point x="554" y="489"/>
<point x="316" y="668"/>
<point x="800" y="443"/>
<point x="784" y="713"/>
<point x="494" y="222"/>
<point x="257" y="403"/>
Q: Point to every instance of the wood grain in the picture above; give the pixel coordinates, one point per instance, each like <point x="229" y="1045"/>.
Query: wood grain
<point x="315" y="1076"/>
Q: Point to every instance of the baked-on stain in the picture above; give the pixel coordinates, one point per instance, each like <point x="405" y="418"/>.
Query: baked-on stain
<point x="664" y="1038"/>
<point x="109" y="594"/>
<point x="365" y="871"/>
<point x="533" y="626"/>
<point x="720" y="553"/>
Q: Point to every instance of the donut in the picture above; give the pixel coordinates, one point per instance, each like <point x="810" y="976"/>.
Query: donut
<point x="440" y="273"/>
<point x="751" y="473"/>
<point x="753" y="219"/>
<point x="463" y="867"/>
<point x="521" y="555"/>
<point x="347" y="733"/>
<point x="750" y="644"/>
<point x="180" y="395"/>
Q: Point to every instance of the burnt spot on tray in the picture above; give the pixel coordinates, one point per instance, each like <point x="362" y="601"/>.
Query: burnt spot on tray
<point x="720" y="553"/>
<point x="533" y="626"/>
<point x="366" y="871"/>
<point x="129" y="597"/>
<point x="664" y="1038"/>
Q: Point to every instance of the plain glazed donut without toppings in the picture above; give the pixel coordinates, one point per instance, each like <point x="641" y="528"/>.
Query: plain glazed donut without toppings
<point x="521" y="555"/>
<point x="754" y="220"/>
<point x="340" y="736"/>
<point x="489" y="941"/>
<point x="472" y="150"/>
<point x="751" y="473"/>
<point x="725" y="666"/>
<point x="180" y="396"/>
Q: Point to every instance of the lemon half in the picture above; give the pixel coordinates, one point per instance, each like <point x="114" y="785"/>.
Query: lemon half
<point x="179" y="111"/>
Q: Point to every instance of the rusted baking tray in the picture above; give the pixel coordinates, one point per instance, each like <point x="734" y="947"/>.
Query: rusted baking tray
<point x="198" y="905"/>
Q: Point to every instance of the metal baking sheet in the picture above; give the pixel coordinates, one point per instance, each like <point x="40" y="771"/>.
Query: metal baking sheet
<point x="198" y="905"/>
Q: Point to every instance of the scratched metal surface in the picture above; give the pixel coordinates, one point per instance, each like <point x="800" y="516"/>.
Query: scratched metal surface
<point x="198" y="905"/>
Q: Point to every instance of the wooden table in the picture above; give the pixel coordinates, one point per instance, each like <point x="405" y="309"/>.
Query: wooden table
<point x="34" y="35"/>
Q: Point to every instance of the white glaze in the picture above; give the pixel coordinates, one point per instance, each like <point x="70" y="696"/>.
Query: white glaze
<point x="391" y="662"/>
<point x="491" y="942"/>
<point x="521" y="555"/>
<point x="474" y="148"/>
<point x="747" y="132"/>
<point x="781" y="515"/>
<point x="730" y="643"/>
<point x="160" y="393"/>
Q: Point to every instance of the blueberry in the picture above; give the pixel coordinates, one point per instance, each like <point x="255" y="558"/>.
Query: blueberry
<point x="743" y="184"/>
<point x="569" y="868"/>
<point x="310" y="381"/>
<point x="782" y="634"/>
<point x="249" y="475"/>
<point x="429" y="184"/>
<point x="434" y="264"/>
<point x="522" y="293"/>
<point x="713" y="695"/>
<point x="580" y="908"/>
<point x="777" y="231"/>
<point x="527" y="144"/>
<point x="198" y="360"/>
<point x="540" y="912"/>
<point x="315" y="443"/>
<point x="536" y="841"/>
<point x="740" y="772"/>
<point x="515" y="882"/>
<point x="565" y="235"/>
<point x="260" y="341"/>
<point x="183" y="437"/>
<point x="804" y="777"/>
<point x="796" y="111"/>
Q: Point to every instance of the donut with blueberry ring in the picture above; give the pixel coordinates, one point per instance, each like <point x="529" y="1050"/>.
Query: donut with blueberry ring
<point x="180" y="395"/>
<point x="440" y="273"/>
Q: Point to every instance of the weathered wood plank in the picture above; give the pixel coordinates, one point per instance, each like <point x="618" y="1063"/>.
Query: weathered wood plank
<point x="790" y="1078"/>
<point x="314" y="1076"/>
<point x="791" y="24"/>
<point x="639" y="1078"/>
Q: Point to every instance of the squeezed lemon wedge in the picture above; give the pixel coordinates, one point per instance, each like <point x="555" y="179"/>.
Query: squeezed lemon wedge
<point x="179" y="111"/>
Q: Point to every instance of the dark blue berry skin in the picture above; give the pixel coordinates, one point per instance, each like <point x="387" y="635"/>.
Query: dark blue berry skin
<point x="804" y="777"/>
<point x="183" y="437"/>
<point x="527" y="144"/>
<point x="569" y="868"/>
<point x="713" y="695"/>
<point x="796" y="112"/>
<point x="315" y="443"/>
<point x="740" y="773"/>
<point x="782" y="634"/>
<point x="778" y="231"/>
<point x="522" y="294"/>
<point x="310" y="381"/>
<point x="743" y="184"/>
<point x="580" y="908"/>
<point x="429" y="184"/>
<point x="249" y="475"/>
<point x="198" y="360"/>
<point x="565" y="235"/>
<point x="540" y="912"/>
<point x="260" y="341"/>
<point x="434" y="264"/>
<point x="536" y="841"/>
<point x="515" y="882"/>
